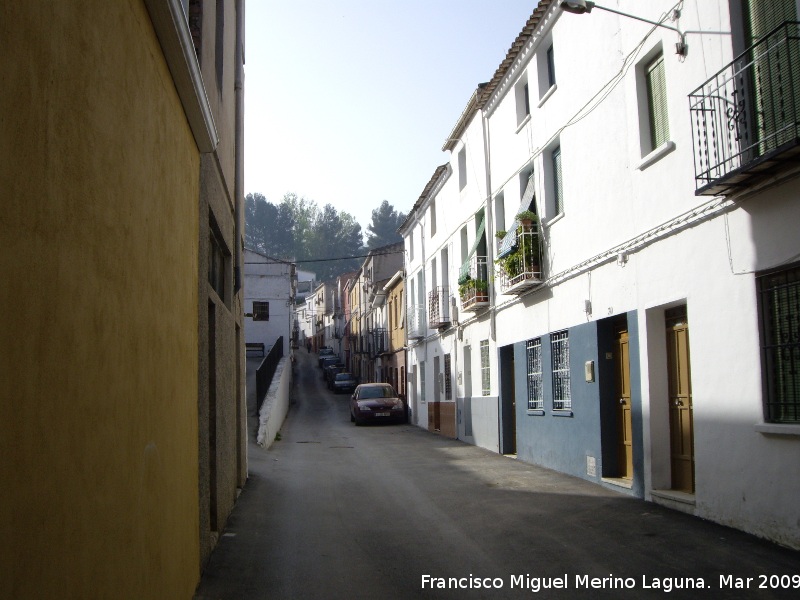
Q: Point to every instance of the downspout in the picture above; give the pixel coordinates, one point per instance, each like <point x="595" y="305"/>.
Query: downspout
<point x="238" y="184"/>
<point x="489" y="218"/>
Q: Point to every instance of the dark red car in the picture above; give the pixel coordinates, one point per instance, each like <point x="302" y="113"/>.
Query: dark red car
<point x="376" y="403"/>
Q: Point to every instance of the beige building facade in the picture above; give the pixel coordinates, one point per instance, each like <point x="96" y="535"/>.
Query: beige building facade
<point x="121" y="447"/>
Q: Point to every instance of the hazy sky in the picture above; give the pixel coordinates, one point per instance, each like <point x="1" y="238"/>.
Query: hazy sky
<point x="349" y="102"/>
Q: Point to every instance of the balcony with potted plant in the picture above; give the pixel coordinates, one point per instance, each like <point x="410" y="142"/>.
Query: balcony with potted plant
<point x="519" y="257"/>
<point x="473" y="285"/>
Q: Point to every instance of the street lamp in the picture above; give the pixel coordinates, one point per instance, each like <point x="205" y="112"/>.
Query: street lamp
<point x="580" y="7"/>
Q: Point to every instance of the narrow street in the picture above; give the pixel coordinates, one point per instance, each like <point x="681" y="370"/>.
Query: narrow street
<point x="338" y="511"/>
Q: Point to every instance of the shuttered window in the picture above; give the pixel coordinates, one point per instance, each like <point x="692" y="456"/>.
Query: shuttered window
<point x="558" y="184"/>
<point x="762" y="16"/>
<point x="780" y="344"/>
<point x="657" y="102"/>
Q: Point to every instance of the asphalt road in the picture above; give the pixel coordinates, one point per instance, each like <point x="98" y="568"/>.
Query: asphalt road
<point x="336" y="511"/>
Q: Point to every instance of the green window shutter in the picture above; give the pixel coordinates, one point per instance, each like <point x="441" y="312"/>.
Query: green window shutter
<point x="657" y="102"/>
<point x="762" y="16"/>
<point x="464" y="274"/>
<point x="775" y="76"/>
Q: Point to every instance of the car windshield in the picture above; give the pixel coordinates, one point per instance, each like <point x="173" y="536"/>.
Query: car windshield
<point x="382" y="391"/>
<point x="343" y="376"/>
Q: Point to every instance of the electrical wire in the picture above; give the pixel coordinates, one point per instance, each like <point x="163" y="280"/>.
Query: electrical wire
<point x="274" y="261"/>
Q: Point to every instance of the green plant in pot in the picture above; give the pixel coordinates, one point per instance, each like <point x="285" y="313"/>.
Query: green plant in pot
<point x="527" y="218"/>
<point x="500" y="234"/>
<point x="474" y="288"/>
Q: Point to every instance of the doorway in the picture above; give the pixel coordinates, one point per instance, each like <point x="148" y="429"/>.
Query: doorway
<point x="622" y="384"/>
<point x="681" y="419"/>
<point x="508" y="402"/>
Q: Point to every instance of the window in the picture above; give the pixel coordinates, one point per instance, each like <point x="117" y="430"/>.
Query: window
<point x="499" y="213"/>
<point x="546" y="70"/>
<point x="523" y="100"/>
<point x="432" y="211"/>
<point x="558" y="183"/>
<point x="486" y="373"/>
<point x="656" y="87"/>
<point x="422" y="381"/>
<point x="448" y="386"/>
<point x="462" y="168"/>
<point x="779" y="310"/>
<point x="533" y="350"/>
<point x="411" y="246"/>
<point x="464" y="244"/>
<point x="559" y="348"/>
<point x="260" y="311"/>
<point x="216" y="263"/>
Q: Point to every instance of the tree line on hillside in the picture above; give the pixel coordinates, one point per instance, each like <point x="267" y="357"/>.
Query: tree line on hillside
<point x="298" y="230"/>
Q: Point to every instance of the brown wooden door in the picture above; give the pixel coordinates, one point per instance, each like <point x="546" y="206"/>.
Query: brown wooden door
<point x="680" y="400"/>
<point x="623" y="386"/>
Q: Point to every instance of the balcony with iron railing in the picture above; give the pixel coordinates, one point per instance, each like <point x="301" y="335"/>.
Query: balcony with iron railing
<point x="379" y="341"/>
<point x="415" y="321"/>
<point x="439" y="308"/>
<point x="473" y="284"/>
<point x="519" y="266"/>
<point x="746" y="118"/>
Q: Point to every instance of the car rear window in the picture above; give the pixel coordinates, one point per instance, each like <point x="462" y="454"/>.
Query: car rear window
<point x="343" y="376"/>
<point x="384" y="391"/>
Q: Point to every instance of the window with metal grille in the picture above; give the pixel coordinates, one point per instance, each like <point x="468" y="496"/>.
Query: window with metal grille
<point x="559" y="349"/>
<point x="657" y="101"/>
<point x="558" y="184"/>
<point x="260" y="311"/>
<point x="486" y="373"/>
<point x="779" y="308"/>
<point x="533" y="350"/>
<point x="448" y="386"/>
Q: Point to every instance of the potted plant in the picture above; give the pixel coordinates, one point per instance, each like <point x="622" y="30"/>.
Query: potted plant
<point x="500" y="234"/>
<point x="481" y="290"/>
<point x="526" y="219"/>
<point x="522" y="261"/>
<point x="474" y="290"/>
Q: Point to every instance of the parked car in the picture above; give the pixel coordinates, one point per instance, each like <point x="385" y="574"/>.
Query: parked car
<point x="343" y="382"/>
<point x="324" y="352"/>
<point x="376" y="402"/>
<point x="326" y="361"/>
<point x="330" y="371"/>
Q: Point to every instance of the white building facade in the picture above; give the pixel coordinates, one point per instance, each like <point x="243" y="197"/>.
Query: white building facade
<point x="644" y="332"/>
<point x="269" y="296"/>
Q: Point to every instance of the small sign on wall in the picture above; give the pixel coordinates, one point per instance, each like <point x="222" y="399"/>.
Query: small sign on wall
<point x="591" y="466"/>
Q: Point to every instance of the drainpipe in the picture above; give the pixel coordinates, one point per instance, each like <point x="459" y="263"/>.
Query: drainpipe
<point x="238" y="185"/>
<point x="489" y="219"/>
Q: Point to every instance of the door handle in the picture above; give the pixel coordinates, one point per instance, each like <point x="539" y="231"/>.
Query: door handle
<point x="678" y="402"/>
<point x="622" y="400"/>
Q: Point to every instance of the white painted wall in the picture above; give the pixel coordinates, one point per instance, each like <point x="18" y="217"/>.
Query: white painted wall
<point x="268" y="280"/>
<point x="745" y="478"/>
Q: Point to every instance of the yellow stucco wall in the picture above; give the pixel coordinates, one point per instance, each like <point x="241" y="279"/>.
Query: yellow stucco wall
<point x="98" y="229"/>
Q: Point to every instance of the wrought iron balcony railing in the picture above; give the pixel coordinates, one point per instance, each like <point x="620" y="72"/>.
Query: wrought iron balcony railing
<point x="439" y="307"/>
<point x="473" y="284"/>
<point x="520" y="268"/>
<point x="746" y="118"/>
<point x="379" y="341"/>
<point x="415" y="322"/>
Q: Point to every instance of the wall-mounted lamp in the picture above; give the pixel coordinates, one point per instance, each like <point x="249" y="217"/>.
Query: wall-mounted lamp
<point x="579" y="7"/>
